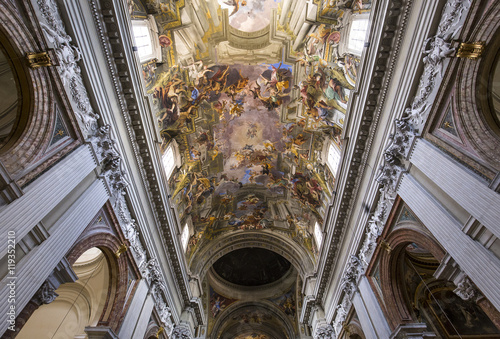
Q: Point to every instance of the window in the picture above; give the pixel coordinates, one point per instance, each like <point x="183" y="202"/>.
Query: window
<point x="142" y="38"/>
<point x="169" y="161"/>
<point x="333" y="158"/>
<point x="185" y="237"/>
<point x="318" y="235"/>
<point x="357" y="35"/>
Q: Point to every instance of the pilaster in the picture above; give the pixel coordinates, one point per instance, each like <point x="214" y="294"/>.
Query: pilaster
<point x="460" y="183"/>
<point x="33" y="269"/>
<point x="45" y="193"/>
<point x="469" y="254"/>
<point x="366" y="305"/>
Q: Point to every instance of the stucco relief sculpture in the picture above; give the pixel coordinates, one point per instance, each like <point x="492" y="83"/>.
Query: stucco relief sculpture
<point x="68" y="55"/>
<point x="325" y="331"/>
<point x="467" y="290"/>
<point x="46" y="294"/>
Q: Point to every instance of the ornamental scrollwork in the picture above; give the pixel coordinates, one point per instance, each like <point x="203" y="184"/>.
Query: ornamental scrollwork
<point x="68" y="56"/>
<point x="325" y="331"/>
<point x="45" y="294"/>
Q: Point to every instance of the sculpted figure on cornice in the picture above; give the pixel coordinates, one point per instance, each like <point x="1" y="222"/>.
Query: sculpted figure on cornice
<point x="68" y="55"/>
<point x="110" y="159"/>
<point x="350" y="278"/>
<point x="436" y="50"/>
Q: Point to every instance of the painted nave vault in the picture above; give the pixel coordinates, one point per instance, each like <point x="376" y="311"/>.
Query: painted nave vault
<point x="243" y="169"/>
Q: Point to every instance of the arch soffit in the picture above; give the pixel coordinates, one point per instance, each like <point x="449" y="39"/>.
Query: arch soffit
<point x="118" y="270"/>
<point x="292" y="251"/>
<point x="396" y="308"/>
<point x="235" y="307"/>
<point x="470" y="88"/>
<point x="37" y="99"/>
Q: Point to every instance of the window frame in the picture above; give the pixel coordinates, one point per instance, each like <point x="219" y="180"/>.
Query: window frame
<point x="149" y="24"/>
<point x="357" y="19"/>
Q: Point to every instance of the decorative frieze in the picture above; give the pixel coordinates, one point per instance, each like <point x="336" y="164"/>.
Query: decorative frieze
<point x="105" y="151"/>
<point x="436" y="49"/>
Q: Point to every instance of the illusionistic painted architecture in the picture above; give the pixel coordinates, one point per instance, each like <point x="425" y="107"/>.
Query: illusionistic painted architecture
<point x="249" y="169"/>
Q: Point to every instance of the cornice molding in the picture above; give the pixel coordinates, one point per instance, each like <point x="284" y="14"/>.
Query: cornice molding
<point x="400" y="144"/>
<point x="106" y="19"/>
<point x="102" y="143"/>
<point x="385" y="56"/>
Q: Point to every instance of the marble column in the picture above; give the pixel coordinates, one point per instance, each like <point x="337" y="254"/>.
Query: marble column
<point x="45" y="193"/>
<point x="36" y="266"/>
<point x="460" y="183"/>
<point x="469" y="254"/>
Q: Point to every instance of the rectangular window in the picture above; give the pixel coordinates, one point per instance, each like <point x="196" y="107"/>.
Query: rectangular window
<point x="318" y="234"/>
<point x="333" y="159"/>
<point x="142" y="40"/>
<point x="357" y="35"/>
<point x="169" y="161"/>
<point x="185" y="237"/>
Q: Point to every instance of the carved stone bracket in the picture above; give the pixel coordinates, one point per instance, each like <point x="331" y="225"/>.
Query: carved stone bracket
<point x="45" y="294"/>
<point x="181" y="331"/>
<point x="325" y="331"/>
<point x="467" y="290"/>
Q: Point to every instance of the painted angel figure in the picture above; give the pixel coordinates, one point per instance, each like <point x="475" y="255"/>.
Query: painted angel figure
<point x="235" y="4"/>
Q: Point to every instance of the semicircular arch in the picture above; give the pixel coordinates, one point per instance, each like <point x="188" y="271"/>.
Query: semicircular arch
<point x="221" y="324"/>
<point x="406" y="233"/>
<point x="473" y="106"/>
<point x="118" y="267"/>
<point x="290" y="250"/>
<point x="37" y="114"/>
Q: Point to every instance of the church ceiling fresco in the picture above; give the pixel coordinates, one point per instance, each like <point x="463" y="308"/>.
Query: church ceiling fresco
<point x="249" y="15"/>
<point x="252" y="137"/>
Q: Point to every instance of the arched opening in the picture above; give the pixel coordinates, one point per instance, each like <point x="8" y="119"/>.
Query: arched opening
<point x="8" y="98"/>
<point x="253" y="320"/>
<point x="14" y="96"/>
<point x="494" y="89"/>
<point x="414" y="295"/>
<point x="78" y="305"/>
